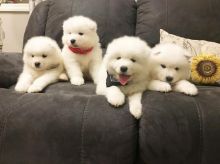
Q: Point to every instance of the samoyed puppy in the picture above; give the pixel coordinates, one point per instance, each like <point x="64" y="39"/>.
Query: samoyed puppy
<point x="170" y="69"/>
<point x="81" y="52"/>
<point x="43" y="65"/>
<point x="124" y="72"/>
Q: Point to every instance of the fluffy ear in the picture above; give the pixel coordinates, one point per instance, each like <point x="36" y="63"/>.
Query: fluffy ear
<point x="155" y="51"/>
<point x="93" y="26"/>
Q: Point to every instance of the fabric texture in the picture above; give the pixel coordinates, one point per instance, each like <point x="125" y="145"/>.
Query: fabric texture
<point x="11" y="65"/>
<point x="190" y="19"/>
<point x="194" y="47"/>
<point x="179" y="129"/>
<point x="64" y="127"/>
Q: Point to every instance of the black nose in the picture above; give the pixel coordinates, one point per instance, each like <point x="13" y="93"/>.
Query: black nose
<point x="72" y="41"/>
<point x="123" y="69"/>
<point x="37" y="64"/>
<point x="169" y="78"/>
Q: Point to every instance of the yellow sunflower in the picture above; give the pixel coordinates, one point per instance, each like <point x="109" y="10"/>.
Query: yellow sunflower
<point x="205" y="69"/>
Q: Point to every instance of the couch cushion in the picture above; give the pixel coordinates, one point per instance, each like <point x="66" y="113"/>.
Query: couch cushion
<point x="114" y="18"/>
<point x="197" y="19"/>
<point x="59" y="127"/>
<point x="179" y="129"/>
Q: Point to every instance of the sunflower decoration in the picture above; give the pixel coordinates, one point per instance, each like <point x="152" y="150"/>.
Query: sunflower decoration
<point x="205" y="69"/>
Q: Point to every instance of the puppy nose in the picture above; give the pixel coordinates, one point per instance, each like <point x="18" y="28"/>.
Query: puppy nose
<point x="37" y="64"/>
<point x="72" y="41"/>
<point x="169" y="78"/>
<point x="124" y="69"/>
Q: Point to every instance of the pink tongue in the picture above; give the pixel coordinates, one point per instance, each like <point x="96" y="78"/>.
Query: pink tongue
<point x="123" y="79"/>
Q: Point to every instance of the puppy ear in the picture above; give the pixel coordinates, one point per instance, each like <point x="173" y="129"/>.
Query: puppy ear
<point x="93" y="26"/>
<point x="156" y="53"/>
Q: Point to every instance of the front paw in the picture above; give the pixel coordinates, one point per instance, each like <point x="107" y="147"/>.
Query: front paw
<point x="77" y="81"/>
<point x="163" y="87"/>
<point x="190" y="90"/>
<point x="34" y="89"/>
<point x="186" y="88"/>
<point x="136" y="110"/>
<point x="21" y="88"/>
<point x="116" y="99"/>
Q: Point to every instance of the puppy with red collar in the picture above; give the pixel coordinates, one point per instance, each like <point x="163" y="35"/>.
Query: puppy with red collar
<point x="82" y="53"/>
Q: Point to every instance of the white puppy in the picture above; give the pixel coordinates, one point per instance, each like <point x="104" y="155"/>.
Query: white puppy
<point x="124" y="71"/>
<point x="170" y="68"/>
<point x="43" y="65"/>
<point x="81" y="52"/>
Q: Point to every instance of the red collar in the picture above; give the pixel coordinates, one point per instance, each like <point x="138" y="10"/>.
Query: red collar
<point x="80" y="51"/>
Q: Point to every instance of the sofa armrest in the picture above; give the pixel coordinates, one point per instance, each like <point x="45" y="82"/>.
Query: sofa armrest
<point x="10" y="68"/>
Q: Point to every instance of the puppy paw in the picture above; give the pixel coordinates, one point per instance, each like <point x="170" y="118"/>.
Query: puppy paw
<point x="186" y="88"/>
<point x="160" y="86"/>
<point x="191" y="90"/>
<point x="77" y="81"/>
<point x="34" y="89"/>
<point x="116" y="99"/>
<point x="136" y="110"/>
<point x="164" y="87"/>
<point x="20" y="88"/>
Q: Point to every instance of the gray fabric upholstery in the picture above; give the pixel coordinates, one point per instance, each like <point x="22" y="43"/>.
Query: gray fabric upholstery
<point x="64" y="128"/>
<point x="197" y="19"/>
<point x="180" y="129"/>
<point x="10" y="68"/>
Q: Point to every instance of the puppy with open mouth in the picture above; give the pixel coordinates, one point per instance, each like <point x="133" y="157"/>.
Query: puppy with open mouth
<point x="170" y="69"/>
<point x="124" y="72"/>
<point x="43" y="65"/>
<point x="81" y="52"/>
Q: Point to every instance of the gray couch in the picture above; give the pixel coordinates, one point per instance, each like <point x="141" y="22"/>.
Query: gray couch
<point x="71" y="125"/>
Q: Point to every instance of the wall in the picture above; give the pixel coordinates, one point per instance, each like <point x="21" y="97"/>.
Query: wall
<point x="13" y="24"/>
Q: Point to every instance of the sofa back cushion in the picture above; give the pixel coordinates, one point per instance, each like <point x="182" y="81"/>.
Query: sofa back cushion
<point x="197" y="19"/>
<point x="114" y="18"/>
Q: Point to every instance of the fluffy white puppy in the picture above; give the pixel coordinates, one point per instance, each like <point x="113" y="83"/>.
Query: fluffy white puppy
<point x="43" y="65"/>
<point x="124" y="71"/>
<point x="170" y="69"/>
<point x="81" y="52"/>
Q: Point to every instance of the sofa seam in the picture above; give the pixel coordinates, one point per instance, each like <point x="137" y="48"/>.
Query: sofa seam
<point x="199" y="114"/>
<point x="83" y="127"/>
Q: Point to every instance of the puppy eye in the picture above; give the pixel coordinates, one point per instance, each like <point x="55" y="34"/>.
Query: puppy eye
<point x="32" y="56"/>
<point x="163" y="66"/>
<point x="80" y="33"/>
<point x="177" y="68"/>
<point x="44" y="56"/>
<point x="118" y="58"/>
<point x="133" y="60"/>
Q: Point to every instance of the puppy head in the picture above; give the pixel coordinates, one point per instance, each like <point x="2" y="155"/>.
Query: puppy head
<point x="169" y="63"/>
<point x="126" y="59"/>
<point x="41" y="53"/>
<point x="80" y="31"/>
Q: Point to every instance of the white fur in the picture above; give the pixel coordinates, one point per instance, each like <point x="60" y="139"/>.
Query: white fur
<point x="77" y="65"/>
<point x="120" y="52"/>
<point x="170" y="60"/>
<point x="45" y="51"/>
